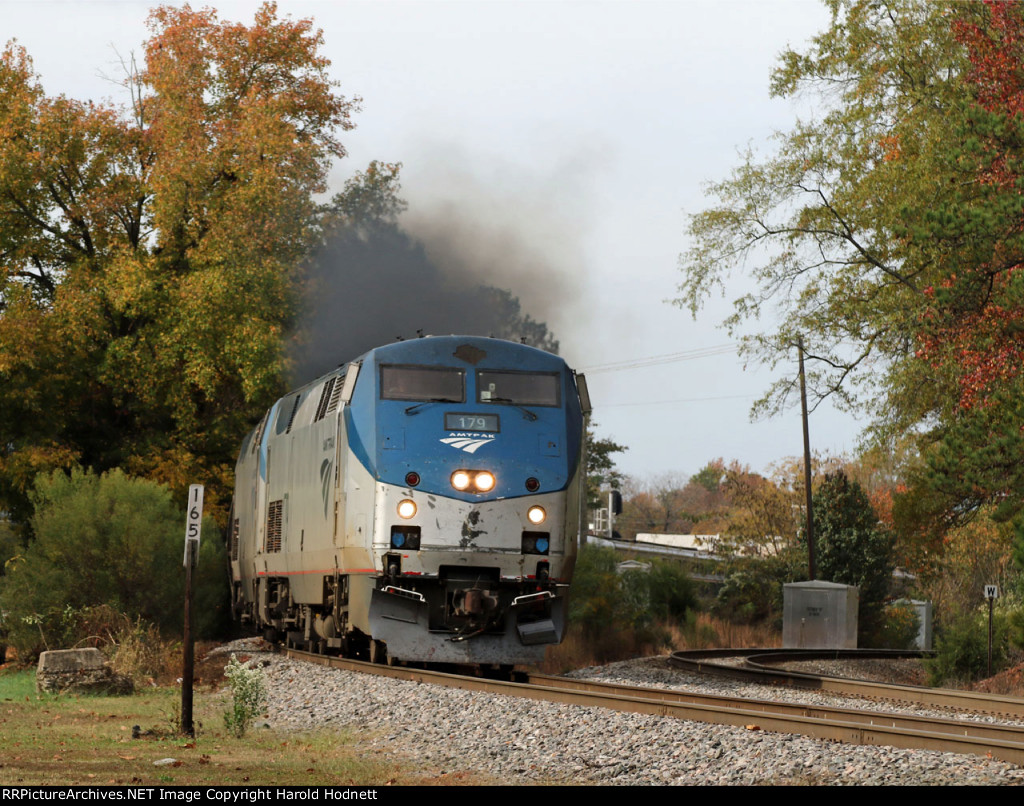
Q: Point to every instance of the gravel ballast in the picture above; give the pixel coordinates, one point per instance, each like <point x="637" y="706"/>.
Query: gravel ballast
<point x="517" y="741"/>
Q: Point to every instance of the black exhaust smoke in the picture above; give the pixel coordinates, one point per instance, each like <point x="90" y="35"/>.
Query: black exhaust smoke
<point x="373" y="283"/>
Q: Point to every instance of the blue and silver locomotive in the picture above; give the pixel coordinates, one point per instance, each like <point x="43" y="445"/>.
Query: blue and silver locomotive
<point x="421" y="503"/>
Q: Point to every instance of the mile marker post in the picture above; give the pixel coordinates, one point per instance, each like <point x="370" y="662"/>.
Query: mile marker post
<point x="193" y="526"/>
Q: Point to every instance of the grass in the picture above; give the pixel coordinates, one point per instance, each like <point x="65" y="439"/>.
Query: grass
<point x="62" y="740"/>
<point x="700" y="631"/>
<point x="66" y="739"/>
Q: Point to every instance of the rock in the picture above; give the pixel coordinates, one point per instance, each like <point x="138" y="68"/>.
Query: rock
<point x="79" y="671"/>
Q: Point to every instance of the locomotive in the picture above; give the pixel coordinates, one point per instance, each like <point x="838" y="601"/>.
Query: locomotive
<point x="421" y="503"/>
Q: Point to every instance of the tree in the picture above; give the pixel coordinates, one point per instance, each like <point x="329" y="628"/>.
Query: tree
<point x="763" y="519"/>
<point x="601" y="470"/>
<point x="148" y="253"/>
<point x="853" y="548"/>
<point x="369" y="199"/>
<point x="711" y="476"/>
<point x="972" y="327"/>
<point x="889" y="230"/>
<point x="668" y="504"/>
<point x="823" y="220"/>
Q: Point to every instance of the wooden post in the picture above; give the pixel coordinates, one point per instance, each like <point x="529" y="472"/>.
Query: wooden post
<point x="188" y="670"/>
<point x="193" y="527"/>
<point x="807" y="462"/>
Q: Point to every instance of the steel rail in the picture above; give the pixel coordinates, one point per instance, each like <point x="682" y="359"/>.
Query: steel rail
<point x="755" y="668"/>
<point x="843" y="725"/>
<point x="923" y="724"/>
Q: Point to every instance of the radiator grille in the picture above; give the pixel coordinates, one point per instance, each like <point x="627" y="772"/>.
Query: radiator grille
<point x="325" y="397"/>
<point x="336" y="394"/>
<point x="275" y="513"/>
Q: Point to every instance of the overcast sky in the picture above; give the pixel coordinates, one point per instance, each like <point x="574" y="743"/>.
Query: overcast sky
<point x="573" y="138"/>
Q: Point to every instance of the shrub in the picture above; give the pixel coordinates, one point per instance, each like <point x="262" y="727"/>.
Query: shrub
<point x="602" y="598"/>
<point x="615" y="612"/>
<point x="670" y="591"/>
<point x="105" y="540"/>
<point x="752" y="591"/>
<point x="899" y="628"/>
<point x="248" y="696"/>
<point x="597" y="598"/>
<point x="961" y="649"/>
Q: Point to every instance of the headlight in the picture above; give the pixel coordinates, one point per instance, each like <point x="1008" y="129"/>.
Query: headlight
<point x="536" y="515"/>
<point x="476" y="481"/>
<point x="406" y="508"/>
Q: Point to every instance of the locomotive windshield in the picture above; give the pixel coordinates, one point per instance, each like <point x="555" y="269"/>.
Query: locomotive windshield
<point x="441" y="384"/>
<point x="518" y="388"/>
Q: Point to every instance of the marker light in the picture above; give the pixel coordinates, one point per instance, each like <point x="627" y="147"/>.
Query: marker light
<point x="536" y="515"/>
<point x="460" y="479"/>
<point x="406" y="508"/>
<point x="484" y="481"/>
<point x="412" y="478"/>
<point x="532" y="484"/>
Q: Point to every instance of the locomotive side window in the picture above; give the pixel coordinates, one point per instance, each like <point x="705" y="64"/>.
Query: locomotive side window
<point x="518" y="388"/>
<point x="435" y="384"/>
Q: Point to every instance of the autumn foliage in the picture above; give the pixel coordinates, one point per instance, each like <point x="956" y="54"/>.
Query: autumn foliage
<point x="149" y="251"/>
<point x="974" y="323"/>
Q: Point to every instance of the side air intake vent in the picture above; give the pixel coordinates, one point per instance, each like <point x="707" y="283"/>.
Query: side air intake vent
<point x="275" y="516"/>
<point x="325" y="398"/>
<point x="336" y="394"/>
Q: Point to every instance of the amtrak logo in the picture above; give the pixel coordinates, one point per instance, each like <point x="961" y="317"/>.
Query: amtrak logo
<point x="469" y="443"/>
<point x="325" y="481"/>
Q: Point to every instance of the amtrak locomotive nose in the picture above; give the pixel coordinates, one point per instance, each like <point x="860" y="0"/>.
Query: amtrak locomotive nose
<point x="431" y="512"/>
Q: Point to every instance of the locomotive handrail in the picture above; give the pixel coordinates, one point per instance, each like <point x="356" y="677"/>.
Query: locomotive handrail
<point x="527" y="596"/>
<point x="404" y="592"/>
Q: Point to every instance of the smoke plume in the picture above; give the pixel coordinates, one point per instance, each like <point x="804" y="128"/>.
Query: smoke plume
<point x="487" y="251"/>
<point x="371" y="285"/>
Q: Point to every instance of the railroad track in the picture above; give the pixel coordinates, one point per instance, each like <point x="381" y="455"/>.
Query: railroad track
<point x="854" y="726"/>
<point x="767" y="667"/>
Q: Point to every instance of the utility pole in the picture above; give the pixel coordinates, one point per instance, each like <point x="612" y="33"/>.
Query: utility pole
<point x="807" y="461"/>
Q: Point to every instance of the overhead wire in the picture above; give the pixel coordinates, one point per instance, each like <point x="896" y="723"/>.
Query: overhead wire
<point x="667" y="358"/>
<point x="678" y="400"/>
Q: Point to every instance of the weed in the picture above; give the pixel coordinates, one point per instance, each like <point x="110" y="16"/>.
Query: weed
<point x="248" y="696"/>
<point x="173" y="716"/>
